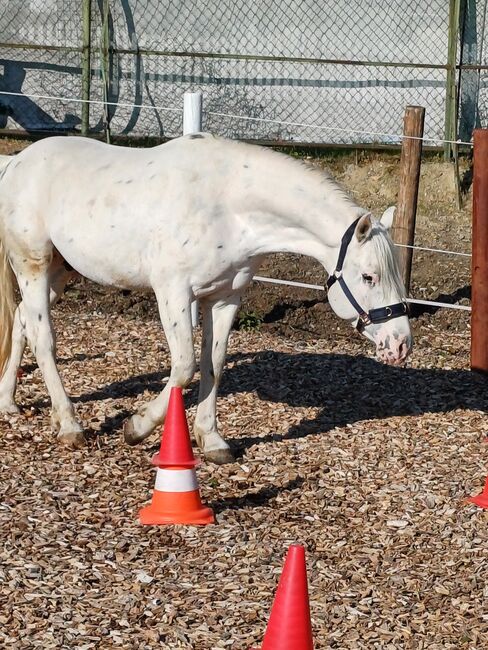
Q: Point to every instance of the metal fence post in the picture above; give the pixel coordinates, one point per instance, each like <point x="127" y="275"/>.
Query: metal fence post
<point x="450" y="124"/>
<point x="105" y="65"/>
<point x="403" y="230"/>
<point x="86" y="67"/>
<point x="192" y="123"/>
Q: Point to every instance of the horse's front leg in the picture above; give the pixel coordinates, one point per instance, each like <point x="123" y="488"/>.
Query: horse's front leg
<point x="217" y="321"/>
<point x="175" y="313"/>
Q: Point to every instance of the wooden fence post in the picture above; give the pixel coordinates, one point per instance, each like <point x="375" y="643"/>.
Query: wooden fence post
<point x="403" y="229"/>
<point x="479" y="263"/>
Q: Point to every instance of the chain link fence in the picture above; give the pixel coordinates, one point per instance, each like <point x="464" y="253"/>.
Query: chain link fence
<point x="347" y="66"/>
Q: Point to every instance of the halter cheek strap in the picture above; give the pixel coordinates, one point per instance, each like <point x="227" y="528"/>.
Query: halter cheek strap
<point x="373" y="316"/>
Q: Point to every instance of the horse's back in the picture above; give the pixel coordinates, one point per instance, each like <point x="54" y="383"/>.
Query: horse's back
<point x="120" y="214"/>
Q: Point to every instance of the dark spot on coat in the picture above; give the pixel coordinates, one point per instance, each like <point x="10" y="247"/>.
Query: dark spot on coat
<point x="151" y="162"/>
<point x="39" y="317"/>
<point x="183" y="310"/>
<point x="186" y="242"/>
<point x="196" y="136"/>
<point x="129" y="181"/>
<point x="246" y="166"/>
<point x="175" y="324"/>
<point x="220" y="246"/>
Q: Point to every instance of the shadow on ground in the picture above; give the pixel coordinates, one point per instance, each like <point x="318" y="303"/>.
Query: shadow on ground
<point x="347" y="389"/>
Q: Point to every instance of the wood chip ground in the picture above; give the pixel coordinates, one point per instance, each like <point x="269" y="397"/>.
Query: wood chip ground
<point x="367" y="466"/>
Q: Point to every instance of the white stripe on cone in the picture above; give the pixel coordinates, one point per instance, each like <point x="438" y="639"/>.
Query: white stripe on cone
<point x="176" y="480"/>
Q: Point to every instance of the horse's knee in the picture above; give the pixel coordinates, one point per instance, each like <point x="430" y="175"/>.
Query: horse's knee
<point x="183" y="372"/>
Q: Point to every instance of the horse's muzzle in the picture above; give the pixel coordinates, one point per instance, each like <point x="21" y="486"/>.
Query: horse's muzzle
<point x="394" y="350"/>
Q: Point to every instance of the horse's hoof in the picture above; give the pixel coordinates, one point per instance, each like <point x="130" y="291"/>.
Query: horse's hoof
<point x="131" y="436"/>
<point x="73" y="439"/>
<point x="220" y="456"/>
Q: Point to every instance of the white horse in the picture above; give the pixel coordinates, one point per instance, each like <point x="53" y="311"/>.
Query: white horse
<point x="193" y="219"/>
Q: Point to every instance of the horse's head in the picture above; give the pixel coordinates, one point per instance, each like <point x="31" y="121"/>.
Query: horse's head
<point x="366" y="288"/>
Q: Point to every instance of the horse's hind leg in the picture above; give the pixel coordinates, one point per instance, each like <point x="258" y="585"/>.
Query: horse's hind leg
<point x="8" y="383"/>
<point x="175" y="315"/>
<point x="217" y="321"/>
<point x="34" y="284"/>
<point x="58" y="277"/>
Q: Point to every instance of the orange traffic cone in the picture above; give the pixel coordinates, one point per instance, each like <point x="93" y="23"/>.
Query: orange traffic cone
<point x="176" y="496"/>
<point x="289" y="626"/>
<point x="481" y="500"/>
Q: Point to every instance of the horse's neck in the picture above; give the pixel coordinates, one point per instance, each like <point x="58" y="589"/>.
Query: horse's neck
<point x="300" y="211"/>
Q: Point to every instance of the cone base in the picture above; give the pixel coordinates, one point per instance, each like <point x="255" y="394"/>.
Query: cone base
<point x="481" y="500"/>
<point x="149" y="516"/>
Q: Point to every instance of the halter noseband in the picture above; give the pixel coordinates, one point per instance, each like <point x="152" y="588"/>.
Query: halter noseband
<point x="373" y="316"/>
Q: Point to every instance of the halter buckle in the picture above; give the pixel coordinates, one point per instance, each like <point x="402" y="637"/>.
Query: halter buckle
<point x="365" y="319"/>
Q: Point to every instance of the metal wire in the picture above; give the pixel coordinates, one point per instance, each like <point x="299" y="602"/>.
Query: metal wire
<point x="433" y="250"/>
<point x="318" y="287"/>
<point x="241" y="117"/>
<point x="102" y="102"/>
<point x="390" y="136"/>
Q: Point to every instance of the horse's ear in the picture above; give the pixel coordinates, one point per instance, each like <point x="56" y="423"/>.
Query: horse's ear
<point x="363" y="229"/>
<point x="387" y="216"/>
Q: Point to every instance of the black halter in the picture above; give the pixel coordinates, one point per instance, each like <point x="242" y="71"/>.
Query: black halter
<point x="379" y="315"/>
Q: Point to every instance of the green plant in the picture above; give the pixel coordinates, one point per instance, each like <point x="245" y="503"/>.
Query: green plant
<point x="249" y="321"/>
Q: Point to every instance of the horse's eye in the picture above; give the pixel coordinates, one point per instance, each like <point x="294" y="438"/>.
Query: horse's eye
<point x="368" y="278"/>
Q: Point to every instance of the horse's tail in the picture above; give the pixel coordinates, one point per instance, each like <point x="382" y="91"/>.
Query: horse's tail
<point x="7" y="297"/>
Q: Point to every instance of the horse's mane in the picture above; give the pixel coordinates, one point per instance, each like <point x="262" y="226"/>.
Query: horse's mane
<point x="328" y="184"/>
<point x="387" y="260"/>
